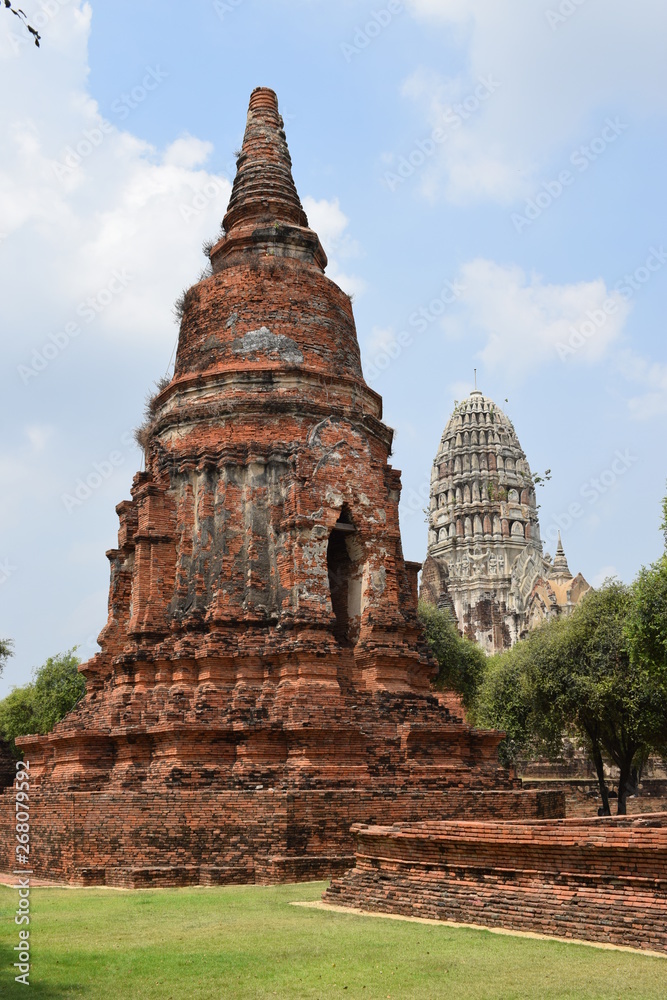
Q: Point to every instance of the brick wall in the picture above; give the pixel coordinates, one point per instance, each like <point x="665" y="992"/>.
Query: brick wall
<point x="202" y="837"/>
<point x="597" y="880"/>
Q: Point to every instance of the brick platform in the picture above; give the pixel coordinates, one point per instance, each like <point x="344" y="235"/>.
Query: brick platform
<point x="597" y="880"/>
<point x="179" y="837"/>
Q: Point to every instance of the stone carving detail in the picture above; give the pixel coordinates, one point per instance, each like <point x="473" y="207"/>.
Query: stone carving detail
<point x="492" y="571"/>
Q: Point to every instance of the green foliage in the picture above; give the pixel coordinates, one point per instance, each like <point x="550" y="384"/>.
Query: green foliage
<point x="58" y="686"/>
<point x="600" y="673"/>
<point x="38" y="706"/>
<point x="17" y="714"/>
<point x="462" y="663"/>
<point x="5" y="651"/>
<point x="646" y="632"/>
<point x="504" y="701"/>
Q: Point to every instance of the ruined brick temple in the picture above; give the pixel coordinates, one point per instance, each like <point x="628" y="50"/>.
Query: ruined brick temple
<point x="485" y="560"/>
<point x="262" y="682"/>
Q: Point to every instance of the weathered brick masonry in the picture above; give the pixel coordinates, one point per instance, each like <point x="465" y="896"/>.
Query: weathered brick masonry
<point x="598" y="879"/>
<point x="262" y="680"/>
<point x="181" y="836"/>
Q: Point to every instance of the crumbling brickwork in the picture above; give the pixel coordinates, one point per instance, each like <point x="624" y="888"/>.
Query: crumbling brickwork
<point x="262" y="632"/>
<point x="596" y="880"/>
<point x="211" y="837"/>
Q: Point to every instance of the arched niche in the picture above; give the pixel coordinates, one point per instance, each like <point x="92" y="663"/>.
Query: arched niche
<point x="345" y="567"/>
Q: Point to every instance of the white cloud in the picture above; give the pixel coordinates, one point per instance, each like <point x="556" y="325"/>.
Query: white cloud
<point x="604" y="573"/>
<point x="39" y="435"/>
<point x="652" y="376"/>
<point x="380" y="340"/>
<point x="446" y="11"/>
<point x="188" y="152"/>
<point x="327" y="219"/>
<point x="460" y="390"/>
<point x="81" y="197"/>
<point x="526" y="323"/>
<point x="556" y="85"/>
<point x="330" y="223"/>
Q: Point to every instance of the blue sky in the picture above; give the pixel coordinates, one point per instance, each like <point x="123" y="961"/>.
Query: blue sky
<point x="487" y="177"/>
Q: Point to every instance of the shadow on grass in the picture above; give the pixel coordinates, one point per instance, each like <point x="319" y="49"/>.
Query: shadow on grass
<point x="10" y="988"/>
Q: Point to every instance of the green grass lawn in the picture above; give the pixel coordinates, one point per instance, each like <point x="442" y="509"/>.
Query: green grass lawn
<point x="242" y="942"/>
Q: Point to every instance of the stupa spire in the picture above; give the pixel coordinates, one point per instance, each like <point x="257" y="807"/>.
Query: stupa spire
<point x="560" y="566"/>
<point x="264" y="201"/>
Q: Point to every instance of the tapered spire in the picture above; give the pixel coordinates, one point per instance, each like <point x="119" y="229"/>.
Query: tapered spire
<point x="560" y="566"/>
<point x="264" y="212"/>
<point x="264" y="189"/>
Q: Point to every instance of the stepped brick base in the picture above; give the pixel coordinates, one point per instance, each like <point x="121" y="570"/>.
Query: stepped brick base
<point x="599" y="880"/>
<point x="184" y="837"/>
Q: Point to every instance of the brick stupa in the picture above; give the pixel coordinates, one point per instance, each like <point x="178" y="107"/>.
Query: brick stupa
<point x="262" y="681"/>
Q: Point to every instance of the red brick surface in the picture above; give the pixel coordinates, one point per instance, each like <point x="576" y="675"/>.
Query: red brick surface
<point x="174" y="837"/>
<point x="597" y="879"/>
<point x="262" y="625"/>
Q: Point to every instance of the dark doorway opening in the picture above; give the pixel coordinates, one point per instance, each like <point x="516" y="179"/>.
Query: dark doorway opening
<point x="340" y="568"/>
<point x="339" y="565"/>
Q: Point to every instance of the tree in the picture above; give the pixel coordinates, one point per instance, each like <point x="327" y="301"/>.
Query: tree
<point x="584" y="675"/>
<point x="461" y="662"/>
<point x="21" y="16"/>
<point x="58" y="686"/>
<point x="38" y="706"/>
<point x="576" y="670"/>
<point x="504" y="701"/>
<point x="17" y="715"/>
<point x="599" y="674"/>
<point x="6" y="651"/>
<point x="646" y="630"/>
